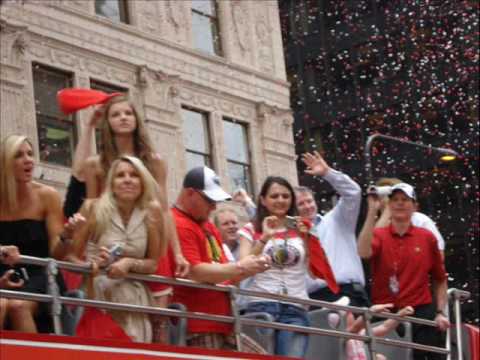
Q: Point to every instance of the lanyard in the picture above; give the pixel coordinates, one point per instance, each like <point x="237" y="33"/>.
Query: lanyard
<point x="213" y="248"/>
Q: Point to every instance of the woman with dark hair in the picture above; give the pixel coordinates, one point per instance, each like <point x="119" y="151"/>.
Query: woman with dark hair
<point x="278" y="233"/>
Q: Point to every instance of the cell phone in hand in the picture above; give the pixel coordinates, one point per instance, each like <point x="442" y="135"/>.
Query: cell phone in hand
<point x="115" y="252"/>
<point x="19" y="275"/>
<point x="290" y="222"/>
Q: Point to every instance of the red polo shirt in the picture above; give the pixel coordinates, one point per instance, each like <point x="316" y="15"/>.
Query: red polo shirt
<point x="411" y="258"/>
<point x="196" y="250"/>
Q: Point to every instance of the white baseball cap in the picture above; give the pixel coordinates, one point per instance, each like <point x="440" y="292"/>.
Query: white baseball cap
<point x="204" y="179"/>
<point x="407" y="189"/>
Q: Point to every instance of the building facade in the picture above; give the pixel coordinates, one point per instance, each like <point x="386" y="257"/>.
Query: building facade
<point x="208" y="77"/>
<point x="407" y="69"/>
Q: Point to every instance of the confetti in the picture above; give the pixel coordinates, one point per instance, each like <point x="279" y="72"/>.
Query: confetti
<point x="403" y="68"/>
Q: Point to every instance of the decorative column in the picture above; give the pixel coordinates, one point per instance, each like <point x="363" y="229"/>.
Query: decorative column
<point x="278" y="146"/>
<point x="163" y="118"/>
<point x="13" y="47"/>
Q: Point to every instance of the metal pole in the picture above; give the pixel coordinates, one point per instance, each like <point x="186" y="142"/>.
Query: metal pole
<point x="457" y="295"/>
<point x="56" y="307"/>
<point x="448" y="341"/>
<point x="371" y="138"/>
<point x="237" y="325"/>
<point x="371" y="341"/>
<point x="458" y="325"/>
<point x="372" y="344"/>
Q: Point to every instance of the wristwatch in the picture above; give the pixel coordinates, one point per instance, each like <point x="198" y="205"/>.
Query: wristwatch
<point x="440" y="312"/>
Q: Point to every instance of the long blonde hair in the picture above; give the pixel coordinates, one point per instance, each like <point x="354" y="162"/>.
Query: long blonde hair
<point x="141" y="141"/>
<point x="8" y="185"/>
<point x="106" y="204"/>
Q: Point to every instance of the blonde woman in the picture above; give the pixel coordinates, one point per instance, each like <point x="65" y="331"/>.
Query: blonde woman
<point x="127" y="217"/>
<point x="31" y="219"/>
<point x="123" y="132"/>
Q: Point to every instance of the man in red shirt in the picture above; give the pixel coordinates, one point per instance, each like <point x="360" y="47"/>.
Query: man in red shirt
<point x="202" y="246"/>
<point x="403" y="259"/>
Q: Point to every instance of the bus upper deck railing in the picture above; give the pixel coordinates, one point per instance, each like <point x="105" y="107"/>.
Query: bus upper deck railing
<point x="54" y="297"/>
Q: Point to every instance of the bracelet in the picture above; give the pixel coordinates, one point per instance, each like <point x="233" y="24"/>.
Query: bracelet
<point x="438" y="312"/>
<point x="136" y="265"/>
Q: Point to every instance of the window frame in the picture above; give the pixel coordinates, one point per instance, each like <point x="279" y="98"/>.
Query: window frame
<point x="213" y="20"/>
<point x="63" y="120"/>
<point x="123" y="12"/>
<point x="208" y="156"/>
<point x="248" y="164"/>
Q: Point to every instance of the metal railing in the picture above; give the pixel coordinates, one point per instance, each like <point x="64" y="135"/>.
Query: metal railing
<point x="54" y="297"/>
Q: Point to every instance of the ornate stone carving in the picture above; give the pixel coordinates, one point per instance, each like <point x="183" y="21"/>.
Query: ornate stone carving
<point x="277" y="128"/>
<point x="218" y="104"/>
<point x="175" y="13"/>
<point x="160" y="88"/>
<point x="142" y="76"/>
<point x="66" y="59"/>
<point x="10" y="111"/>
<point x="81" y="61"/>
<point x="264" y="40"/>
<point x="176" y="17"/>
<point x="262" y="111"/>
<point x="78" y="4"/>
<point x="244" y="112"/>
<point x="265" y="111"/>
<point x="148" y="16"/>
<point x="226" y="106"/>
<point x="241" y="24"/>
<point x="233" y="80"/>
<point x="14" y="43"/>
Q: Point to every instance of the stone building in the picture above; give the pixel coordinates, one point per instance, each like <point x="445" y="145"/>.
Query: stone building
<point x="208" y="77"/>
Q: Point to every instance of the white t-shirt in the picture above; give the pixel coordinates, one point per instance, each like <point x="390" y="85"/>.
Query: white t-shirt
<point x="228" y="253"/>
<point x="287" y="274"/>
<point x="423" y="221"/>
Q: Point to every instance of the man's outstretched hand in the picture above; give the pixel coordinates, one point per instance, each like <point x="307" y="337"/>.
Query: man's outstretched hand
<point x="316" y="165"/>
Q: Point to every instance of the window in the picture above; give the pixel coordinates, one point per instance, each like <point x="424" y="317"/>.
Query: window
<point x="237" y="154"/>
<point x="196" y="138"/>
<point x="98" y="85"/>
<point x="115" y="10"/>
<point x="56" y="132"/>
<point x="205" y="29"/>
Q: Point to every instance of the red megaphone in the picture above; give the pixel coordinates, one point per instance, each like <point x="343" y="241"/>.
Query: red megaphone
<point x="74" y="99"/>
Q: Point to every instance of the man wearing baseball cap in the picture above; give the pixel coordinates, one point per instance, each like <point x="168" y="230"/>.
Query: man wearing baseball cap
<point x="202" y="246"/>
<point x="403" y="258"/>
<point x="418" y="218"/>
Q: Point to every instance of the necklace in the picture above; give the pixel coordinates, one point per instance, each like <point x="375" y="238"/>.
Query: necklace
<point x="125" y="217"/>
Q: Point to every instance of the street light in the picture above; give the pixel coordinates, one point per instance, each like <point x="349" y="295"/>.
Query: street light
<point x="447" y="154"/>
